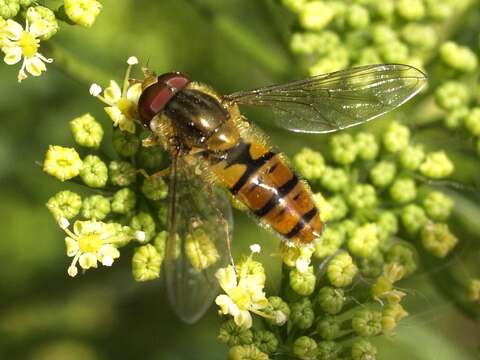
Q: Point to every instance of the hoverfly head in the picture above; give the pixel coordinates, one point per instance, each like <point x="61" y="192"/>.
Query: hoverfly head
<point x="157" y="92"/>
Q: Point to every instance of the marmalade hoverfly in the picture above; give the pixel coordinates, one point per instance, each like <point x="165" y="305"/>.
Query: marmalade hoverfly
<point x="213" y="147"/>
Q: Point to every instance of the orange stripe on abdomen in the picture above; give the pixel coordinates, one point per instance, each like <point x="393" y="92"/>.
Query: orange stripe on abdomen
<point x="261" y="180"/>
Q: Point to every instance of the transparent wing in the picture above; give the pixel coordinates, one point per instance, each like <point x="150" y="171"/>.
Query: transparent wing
<point x="200" y="224"/>
<point x="338" y="100"/>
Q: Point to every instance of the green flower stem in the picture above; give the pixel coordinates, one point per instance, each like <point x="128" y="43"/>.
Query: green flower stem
<point x="79" y="70"/>
<point x="244" y="39"/>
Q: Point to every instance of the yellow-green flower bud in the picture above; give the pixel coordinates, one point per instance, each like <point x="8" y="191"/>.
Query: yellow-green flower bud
<point x="44" y="19"/>
<point x="62" y="163"/>
<point x="362" y="196"/>
<point x="383" y="34"/>
<point x="404" y="255"/>
<point x="456" y="118"/>
<point x="364" y="241"/>
<point x="146" y="263"/>
<point x="332" y="239"/>
<point x="121" y="173"/>
<point x="357" y="17"/>
<point x="150" y="158"/>
<point x="366" y="56"/>
<point x="384" y="8"/>
<point x="368" y="147"/>
<point x="279" y="310"/>
<point x="334" y="179"/>
<point x="437" y="239"/>
<point x="437" y="165"/>
<point x="473" y="290"/>
<point x="339" y="208"/>
<point x="302" y="314"/>
<point x="312" y="42"/>
<point x="82" y="12"/>
<point x="9" y="8"/>
<point x="87" y="131"/>
<point x="413" y="218"/>
<point x="403" y="190"/>
<point x="397" y="137"/>
<point x="343" y="149"/>
<point x="125" y="144"/>
<point x="331" y="300"/>
<point x="325" y="208"/>
<point x="341" y="270"/>
<point x="294" y="5"/>
<point x="265" y="341"/>
<point x="95" y="207"/>
<point x="439" y="10"/>
<point x="420" y="36"/>
<point x="363" y="350"/>
<point x="232" y="334"/>
<point x="315" y="15"/>
<point x="123" y="201"/>
<point x="412" y="157"/>
<point x="458" y="57"/>
<point x="328" y="328"/>
<point x="391" y="315"/>
<point x="367" y="322"/>
<point x="305" y="348"/>
<point x="335" y="60"/>
<point x="472" y="121"/>
<point x="309" y="163"/>
<point x="155" y="188"/>
<point x="387" y="225"/>
<point x="144" y="222"/>
<point x="329" y="350"/>
<point x="411" y="10"/>
<point x="200" y="250"/>
<point x="452" y="95"/>
<point x="64" y="205"/>
<point x="383" y="173"/>
<point x="121" y="235"/>
<point x="371" y="266"/>
<point x="395" y="51"/>
<point x="94" y="172"/>
<point x="303" y="283"/>
<point x="246" y="352"/>
<point x="438" y="206"/>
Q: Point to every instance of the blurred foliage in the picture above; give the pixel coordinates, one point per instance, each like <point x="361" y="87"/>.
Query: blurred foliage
<point x="231" y="45"/>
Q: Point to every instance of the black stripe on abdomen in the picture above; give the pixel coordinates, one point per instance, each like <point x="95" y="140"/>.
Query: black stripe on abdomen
<point x="240" y="154"/>
<point x="302" y="222"/>
<point x="282" y="191"/>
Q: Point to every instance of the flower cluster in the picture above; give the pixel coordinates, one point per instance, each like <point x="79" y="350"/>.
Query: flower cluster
<point x="126" y="205"/>
<point x="21" y="43"/>
<point x="340" y="292"/>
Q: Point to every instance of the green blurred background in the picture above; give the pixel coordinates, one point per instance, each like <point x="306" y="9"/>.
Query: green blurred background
<point x="105" y="314"/>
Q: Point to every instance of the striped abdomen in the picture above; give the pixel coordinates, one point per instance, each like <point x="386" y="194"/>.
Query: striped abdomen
<point x="260" y="179"/>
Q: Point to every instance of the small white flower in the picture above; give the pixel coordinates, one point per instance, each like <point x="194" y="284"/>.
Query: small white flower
<point x="89" y="244"/>
<point x="140" y="236"/>
<point x="21" y="43"/>
<point x="255" y="248"/>
<point x="122" y="102"/>
<point x="95" y="89"/>
<point x="243" y="295"/>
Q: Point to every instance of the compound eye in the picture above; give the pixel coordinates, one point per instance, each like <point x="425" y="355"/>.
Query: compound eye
<point x="156" y="96"/>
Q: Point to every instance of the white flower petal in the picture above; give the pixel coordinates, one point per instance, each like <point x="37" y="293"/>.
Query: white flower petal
<point x="35" y="66"/>
<point x="115" y="114"/>
<point x="39" y="27"/>
<point x="87" y="261"/>
<point x="243" y="319"/>
<point x="302" y="264"/>
<point x="255" y="248"/>
<point x="72" y="246"/>
<point x="280" y="318"/>
<point x="113" y="93"/>
<point x="13" y="55"/>
<point x="134" y="92"/>
<point x="227" y="278"/>
<point x="13" y="30"/>
<point x="224" y="303"/>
